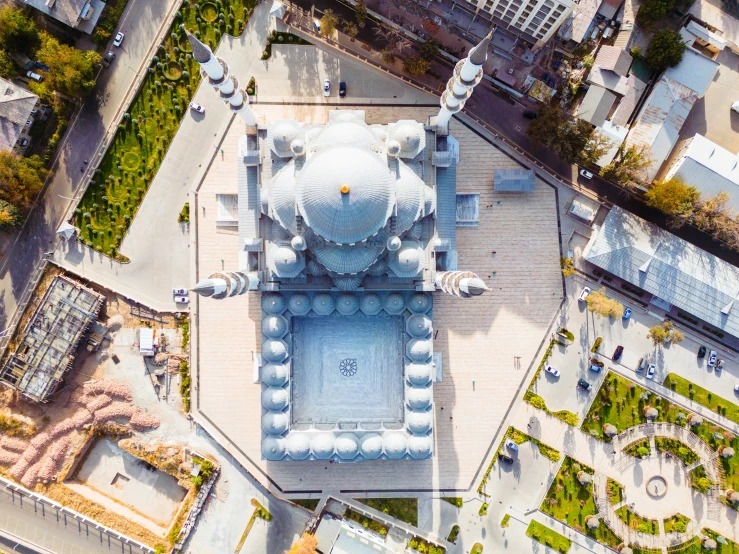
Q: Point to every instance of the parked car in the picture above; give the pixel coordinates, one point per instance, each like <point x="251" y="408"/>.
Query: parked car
<point x="736" y="388"/>
<point x="627" y="313"/>
<point x="712" y="357"/>
<point x="702" y="352"/>
<point x="719" y="365"/>
<point x="181" y="299"/>
<point x="584" y="294"/>
<point x="735" y="106"/>
<point x="585" y="173"/>
<point x="180" y="292"/>
<point x="118" y="39"/>
<point x="650" y="371"/>
<point x="23" y="142"/>
<point x="34" y="76"/>
<point x="510" y="443"/>
<point x="342" y="89"/>
<point x="583" y="384"/>
<point x="197" y="107"/>
<point x="505" y="458"/>
<point x="596" y="365"/>
<point x="108" y="59"/>
<point x="528" y="114"/>
<point x="326" y="87"/>
<point x="552" y="371"/>
<point x="641" y="366"/>
<point x="617" y="353"/>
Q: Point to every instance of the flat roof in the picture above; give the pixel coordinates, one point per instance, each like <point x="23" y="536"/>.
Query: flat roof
<point x="514" y="180"/>
<point x="596" y="105"/>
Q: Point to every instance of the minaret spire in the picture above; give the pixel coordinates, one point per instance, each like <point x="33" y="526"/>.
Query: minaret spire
<point x="226" y="284"/>
<point x="467" y="73"/>
<point x="463" y="284"/>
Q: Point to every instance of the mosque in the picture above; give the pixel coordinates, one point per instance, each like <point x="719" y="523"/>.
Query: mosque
<point x="346" y="230"/>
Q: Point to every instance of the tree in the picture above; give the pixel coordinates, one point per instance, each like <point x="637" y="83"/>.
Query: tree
<point x="597" y="147"/>
<point x="21" y="179"/>
<point x="7" y="65"/>
<point x="572" y="140"/>
<point x="360" y="13"/>
<point x="395" y="43"/>
<point x="599" y="303"/>
<point x="665" y="50"/>
<point x="306" y="545"/>
<point x="653" y="10"/>
<point x="9" y="215"/>
<point x="430" y="26"/>
<point x="661" y="334"/>
<point x="350" y="29"/>
<point x="329" y="21"/>
<point x="416" y="66"/>
<point x="72" y="71"/>
<point x="673" y="197"/>
<point x="629" y="166"/>
<point x="567" y="268"/>
<point x="429" y="49"/>
<point x="548" y="118"/>
<point x="18" y="33"/>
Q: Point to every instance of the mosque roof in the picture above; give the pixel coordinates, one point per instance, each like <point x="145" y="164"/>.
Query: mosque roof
<point x="410" y="135"/>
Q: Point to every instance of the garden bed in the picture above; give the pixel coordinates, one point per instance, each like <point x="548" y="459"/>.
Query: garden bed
<point x="636" y="522"/>
<point x="404" y="509"/>
<point x="548" y="537"/>
<point x="615" y="491"/>
<point x="676" y="524"/>
<point x="366" y="522"/>
<point x="703" y="397"/>
<point x="677" y="449"/>
<point x="638" y="449"/>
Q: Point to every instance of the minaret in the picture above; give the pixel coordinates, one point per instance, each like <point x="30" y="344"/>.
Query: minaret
<point x="467" y="73"/>
<point x="464" y="284"/>
<point x="222" y="80"/>
<point x="224" y="285"/>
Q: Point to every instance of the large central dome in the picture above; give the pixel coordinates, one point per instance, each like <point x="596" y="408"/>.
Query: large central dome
<point x="346" y="193"/>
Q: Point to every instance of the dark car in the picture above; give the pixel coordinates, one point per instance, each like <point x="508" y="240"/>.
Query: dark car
<point x="108" y="59"/>
<point x="505" y="458"/>
<point x="617" y="354"/>
<point x="596" y="365"/>
<point x="528" y="114"/>
<point x="702" y="352"/>
<point x="342" y="89"/>
<point x="583" y="384"/>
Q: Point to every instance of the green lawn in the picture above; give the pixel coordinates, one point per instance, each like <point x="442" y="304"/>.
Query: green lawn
<point x="699" y="479"/>
<point x="119" y="184"/>
<point x="548" y="537"/>
<point x="676" y="448"/>
<point x="693" y="546"/>
<point x="639" y="448"/>
<point x="404" y="509"/>
<point x="367" y="522"/>
<point x="635" y="521"/>
<point x="453" y="500"/>
<point x="615" y="491"/>
<point x="677" y="523"/>
<point x="703" y="397"/>
<point x="621" y="402"/>
<point x="307" y="503"/>
<point x="729" y="548"/>
<point x="570" y="502"/>
<point x="640" y="550"/>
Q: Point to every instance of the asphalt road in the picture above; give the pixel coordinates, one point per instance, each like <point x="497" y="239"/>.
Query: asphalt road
<point x="140" y="22"/>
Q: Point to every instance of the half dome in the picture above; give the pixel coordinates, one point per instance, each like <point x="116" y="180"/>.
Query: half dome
<point x="345" y="258"/>
<point x="275" y="423"/>
<point x="275" y="375"/>
<point x="297" y="446"/>
<point x="323" y="446"/>
<point x="273" y="448"/>
<point x="396" y="445"/>
<point x="370" y="446"/>
<point x="274" y="398"/>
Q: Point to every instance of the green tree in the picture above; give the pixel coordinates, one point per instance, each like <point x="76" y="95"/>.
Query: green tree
<point x="72" y="71"/>
<point x="360" y="13"/>
<point x="673" y="197"/>
<point x="597" y="147"/>
<point x="429" y="49"/>
<point x="653" y="10"/>
<point x="329" y="21"/>
<point x="7" y="65"/>
<point x="9" y="215"/>
<point x="350" y="29"/>
<point x="665" y="50"/>
<point x="629" y="166"/>
<point x="599" y="304"/>
<point x="572" y="140"/>
<point x="18" y="33"/>
<point x="416" y="66"/>
<point x="21" y="179"/>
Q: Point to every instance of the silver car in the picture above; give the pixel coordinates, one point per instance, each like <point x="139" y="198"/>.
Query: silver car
<point x="650" y="371"/>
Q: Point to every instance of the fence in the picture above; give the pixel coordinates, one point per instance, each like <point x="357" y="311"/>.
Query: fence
<point x="23" y="304"/>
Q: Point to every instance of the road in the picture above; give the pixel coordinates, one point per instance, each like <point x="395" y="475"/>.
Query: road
<point x="140" y="21"/>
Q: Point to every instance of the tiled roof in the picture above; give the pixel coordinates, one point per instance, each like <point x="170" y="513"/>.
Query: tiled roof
<point x="614" y="59"/>
<point x="66" y="11"/>
<point x="16" y="105"/>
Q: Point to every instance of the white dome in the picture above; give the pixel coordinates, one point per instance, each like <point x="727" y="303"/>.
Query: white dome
<point x="299" y="304"/>
<point x="419" y="303"/>
<point x="323" y="304"/>
<point x="344" y="133"/>
<point x="370" y="304"/>
<point x="274" y="350"/>
<point x="418" y="326"/>
<point x="419" y="422"/>
<point x="409" y="260"/>
<point x="282" y="134"/>
<point x="347" y="446"/>
<point x="347" y="304"/>
<point x="396" y="445"/>
<point x="418" y="398"/>
<point x="298" y="243"/>
<point x="297" y="146"/>
<point x="273" y="448"/>
<point x="273" y="303"/>
<point x="298" y="446"/>
<point x="285" y="261"/>
<point x="393" y="148"/>
<point x="274" y="398"/>
<point x="370" y="446"/>
<point x="345" y="194"/>
<point x="420" y="447"/>
<point x="275" y="375"/>
<point x="410" y="135"/>
<point x="418" y="374"/>
<point x="323" y="446"/>
<point x="275" y="423"/>
<point x="347" y="282"/>
<point x="419" y="350"/>
<point x="394" y="303"/>
<point x="282" y="197"/>
<point x="274" y="326"/>
<point x="393" y="244"/>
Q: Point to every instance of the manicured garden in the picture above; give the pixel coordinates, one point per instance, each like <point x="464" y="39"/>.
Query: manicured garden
<point x="417" y="543"/>
<point x="636" y="522"/>
<point x="724" y="545"/>
<point x="693" y="546"/>
<point x="366" y="522"/>
<point x="404" y="509"/>
<point x="677" y="449"/>
<point x="571" y="503"/>
<point x="453" y="534"/>
<point x="126" y="171"/>
<point x="615" y="491"/>
<point x="676" y="524"/>
<point x="703" y="397"/>
<point x="453" y="500"/>
<point x="548" y="537"/>
<point x="699" y="479"/>
<point x="638" y="449"/>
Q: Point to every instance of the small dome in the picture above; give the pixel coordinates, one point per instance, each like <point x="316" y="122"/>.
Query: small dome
<point x="274" y="350"/>
<point x="298" y="243"/>
<point x="347" y="446"/>
<point x="393" y="244"/>
<point x="285" y="261"/>
<point x="410" y="135"/>
<point x="274" y="398"/>
<point x="610" y="430"/>
<point x="419" y="303"/>
<point x="418" y="350"/>
<point x="584" y="478"/>
<point x="409" y="260"/>
<point x="394" y="303"/>
<point x="370" y="304"/>
<point x="418" y="374"/>
<point x="273" y="303"/>
<point x="393" y="148"/>
<point x="273" y="448"/>
<point x="274" y="326"/>
<point x="418" y="422"/>
<point x="420" y="447"/>
<point x="323" y="304"/>
<point x="695" y="419"/>
<point x="275" y="423"/>
<point x="418" y="398"/>
<point x="283" y="133"/>
<point x="297" y="146"/>
<point x="347" y="304"/>
<point x="396" y="445"/>
<point x="370" y="446"/>
<point x="299" y="304"/>
<point x="323" y="446"/>
<point x="592" y="522"/>
<point x="378" y="268"/>
<point x="651" y="413"/>
<point x="275" y="375"/>
<point x="298" y="446"/>
<point x="418" y="326"/>
<point x="727" y="452"/>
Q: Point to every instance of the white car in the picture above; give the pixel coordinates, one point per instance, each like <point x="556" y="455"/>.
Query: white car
<point x="712" y="358"/>
<point x="511" y="444"/>
<point x="585" y="173"/>
<point x="584" y="294"/>
<point x="552" y="371"/>
<point x="180" y="292"/>
<point x="118" y="39"/>
<point x="181" y="299"/>
<point x="326" y="87"/>
<point x="735" y="106"/>
<point x="197" y="107"/>
<point x="650" y="371"/>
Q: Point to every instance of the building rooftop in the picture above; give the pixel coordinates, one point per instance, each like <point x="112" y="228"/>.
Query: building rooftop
<point x="609" y="8"/>
<point x="70" y="12"/>
<point x="695" y="72"/>
<point x="579" y="22"/>
<point x="693" y="31"/>
<point x="16" y="105"/>
<point x="631" y="89"/>
<point x="612" y="58"/>
<point x="514" y="180"/>
<point x="711" y="12"/>
<point x="668" y="267"/>
<point x="596" y="105"/>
